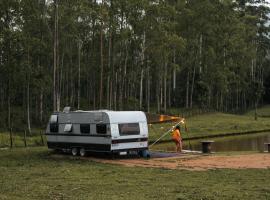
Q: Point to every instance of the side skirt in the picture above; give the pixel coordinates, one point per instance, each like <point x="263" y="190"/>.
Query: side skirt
<point x="86" y="146"/>
<point x="90" y="147"/>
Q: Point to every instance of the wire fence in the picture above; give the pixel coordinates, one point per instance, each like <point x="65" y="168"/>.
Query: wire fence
<point x="12" y="139"/>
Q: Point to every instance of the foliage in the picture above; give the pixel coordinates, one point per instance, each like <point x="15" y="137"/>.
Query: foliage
<point x="132" y="54"/>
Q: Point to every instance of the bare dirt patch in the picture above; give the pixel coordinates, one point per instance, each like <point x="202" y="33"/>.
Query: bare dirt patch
<point x="197" y="162"/>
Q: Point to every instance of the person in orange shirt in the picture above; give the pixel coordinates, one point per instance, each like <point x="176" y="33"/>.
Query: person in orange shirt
<point x="176" y="137"/>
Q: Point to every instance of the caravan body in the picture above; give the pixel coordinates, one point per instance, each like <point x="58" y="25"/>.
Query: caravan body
<point x="98" y="131"/>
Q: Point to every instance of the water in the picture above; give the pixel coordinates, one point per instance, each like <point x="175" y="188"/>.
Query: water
<point x="251" y="142"/>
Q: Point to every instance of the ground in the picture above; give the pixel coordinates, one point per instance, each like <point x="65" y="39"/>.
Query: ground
<point x="194" y="161"/>
<point x="37" y="173"/>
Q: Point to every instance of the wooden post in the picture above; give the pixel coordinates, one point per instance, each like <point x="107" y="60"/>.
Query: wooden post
<point x="206" y="146"/>
<point x="10" y="137"/>
<point x="41" y="137"/>
<point x="267" y="146"/>
<point x="24" y="138"/>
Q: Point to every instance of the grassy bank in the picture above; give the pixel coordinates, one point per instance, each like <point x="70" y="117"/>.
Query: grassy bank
<point x="217" y="124"/>
<point x="34" y="173"/>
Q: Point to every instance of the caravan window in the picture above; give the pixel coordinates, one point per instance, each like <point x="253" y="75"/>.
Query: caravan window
<point x="68" y="128"/>
<point x="54" y="124"/>
<point x="53" y="127"/>
<point x="101" y="128"/>
<point x="129" y="129"/>
<point x="53" y="119"/>
<point x="85" y="128"/>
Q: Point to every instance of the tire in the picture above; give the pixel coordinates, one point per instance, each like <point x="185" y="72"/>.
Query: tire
<point x="146" y="154"/>
<point x="74" y="151"/>
<point x="82" y="152"/>
<point x="140" y="153"/>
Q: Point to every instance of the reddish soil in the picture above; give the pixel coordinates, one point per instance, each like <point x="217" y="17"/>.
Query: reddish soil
<point x="197" y="162"/>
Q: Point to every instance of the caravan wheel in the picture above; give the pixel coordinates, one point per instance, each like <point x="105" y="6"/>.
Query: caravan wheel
<point x="82" y="152"/>
<point x="74" y="151"/>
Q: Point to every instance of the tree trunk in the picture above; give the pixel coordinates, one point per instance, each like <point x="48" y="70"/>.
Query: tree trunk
<point x="256" y="113"/>
<point x="161" y="93"/>
<point x="55" y="55"/>
<point x="187" y="90"/>
<point x="148" y="89"/>
<point x="109" y="70"/>
<point x="165" y="89"/>
<point x="28" y="106"/>
<point x="111" y="94"/>
<point x="28" y="92"/>
<point x="108" y="92"/>
<point x="62" y="84"/>
<point x="174" y="77"/>
<point x="115" y="91"/>
<point x="101" y="65"/>
<point x="192" y="87"/>
<point x="157" y="95"/>
<point x="2" y="96"/>
<point x="9" y="104"/>
<point x="79" y="74"/>
<point x="41" y="106"/>
<point x="200" y="52"/>
<point x="169" y="91"/>
<point x="141" y="89"/>
<point x="174" y="72"/>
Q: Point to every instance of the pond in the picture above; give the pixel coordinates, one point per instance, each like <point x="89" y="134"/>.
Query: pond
<point x="250" y="142"/>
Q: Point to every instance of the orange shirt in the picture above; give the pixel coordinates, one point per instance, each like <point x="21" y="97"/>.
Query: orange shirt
<point x="176" y="134"/>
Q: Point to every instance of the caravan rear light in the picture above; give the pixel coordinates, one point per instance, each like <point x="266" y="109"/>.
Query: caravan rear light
<point x="114" y="141"/>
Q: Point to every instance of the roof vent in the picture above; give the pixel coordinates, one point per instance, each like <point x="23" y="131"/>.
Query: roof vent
<point x="67" y="109"/>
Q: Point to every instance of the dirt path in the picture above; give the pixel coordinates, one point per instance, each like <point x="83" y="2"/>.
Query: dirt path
<point x="197" y="162"/>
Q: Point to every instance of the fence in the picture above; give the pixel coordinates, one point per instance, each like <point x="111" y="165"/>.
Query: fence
<point x="21" y="139"/>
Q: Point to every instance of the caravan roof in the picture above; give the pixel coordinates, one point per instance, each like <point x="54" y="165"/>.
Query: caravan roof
<point x="126" y="116"/>
<point x="106" y="116"/>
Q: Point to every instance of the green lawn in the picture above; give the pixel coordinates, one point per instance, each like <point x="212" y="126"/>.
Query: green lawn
<point x="34" y="173"/>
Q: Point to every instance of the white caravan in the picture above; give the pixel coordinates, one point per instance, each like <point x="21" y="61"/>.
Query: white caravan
<point x="98" y="131"/>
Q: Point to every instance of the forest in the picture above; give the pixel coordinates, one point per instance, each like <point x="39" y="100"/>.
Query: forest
<point x="149" y="55"/>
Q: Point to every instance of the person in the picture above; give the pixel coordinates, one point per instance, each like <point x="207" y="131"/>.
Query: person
<point x="176" y="137"/>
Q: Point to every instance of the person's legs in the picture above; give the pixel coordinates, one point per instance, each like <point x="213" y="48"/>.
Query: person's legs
<point x="180" y="146"/>
<point x="176" y="145"/>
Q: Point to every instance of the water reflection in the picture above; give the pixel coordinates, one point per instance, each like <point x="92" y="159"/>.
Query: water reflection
<point x="252" y="142"/>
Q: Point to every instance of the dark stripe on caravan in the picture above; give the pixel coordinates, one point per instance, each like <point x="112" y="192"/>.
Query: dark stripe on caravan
<point x="87" y="146"/>
<point x="130" y="149"/>
<point x="129" y="140"/>
<point x="83" y="135"/>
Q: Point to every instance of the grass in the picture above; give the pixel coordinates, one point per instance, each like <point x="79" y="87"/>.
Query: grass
<point x="216" y="124"/>
<point x="33" y="173"/>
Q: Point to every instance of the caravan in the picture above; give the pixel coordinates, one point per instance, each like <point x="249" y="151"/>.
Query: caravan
<point x="98" y="131"/>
